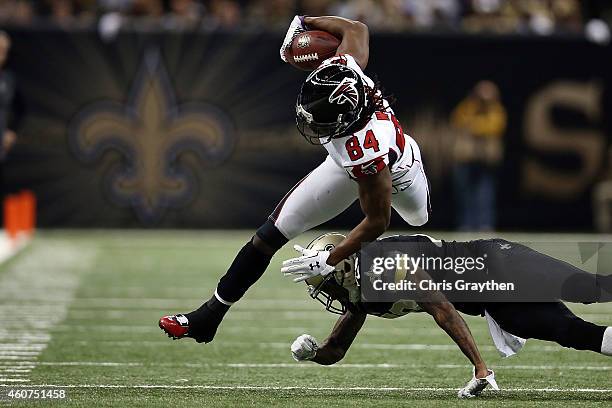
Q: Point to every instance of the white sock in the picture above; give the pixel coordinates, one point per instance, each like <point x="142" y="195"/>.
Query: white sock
<point x="606" y="343"/>
<point x="220" y="299"/>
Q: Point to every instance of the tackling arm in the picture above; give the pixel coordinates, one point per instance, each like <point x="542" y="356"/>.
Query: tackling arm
<point x="375" y="200"/>
<point x="354" y="35"/>
<point x="452" y="323"/>
<point x="335" y="346"/>
<point x="447" y="317"/>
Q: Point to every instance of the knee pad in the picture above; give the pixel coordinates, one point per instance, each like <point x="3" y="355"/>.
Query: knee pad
<point x="271" y="235"/>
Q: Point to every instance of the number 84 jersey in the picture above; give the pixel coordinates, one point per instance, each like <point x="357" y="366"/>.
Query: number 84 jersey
<point x="380" y="143"/>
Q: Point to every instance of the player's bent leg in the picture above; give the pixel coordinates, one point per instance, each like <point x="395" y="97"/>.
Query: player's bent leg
<point x="548" y="278"/>
<point x="411" y="195"/>
<point x="551" y="322"/>
<point x="248" y="266"/>
<point x="320" y="196"/>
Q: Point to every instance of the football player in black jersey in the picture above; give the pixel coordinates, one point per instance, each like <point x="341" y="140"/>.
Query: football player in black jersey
<point x="510" y="322"/>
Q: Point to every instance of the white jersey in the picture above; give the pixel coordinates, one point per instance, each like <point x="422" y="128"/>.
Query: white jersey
<point x="327" y="190"/>
<point x="380" y="143"/>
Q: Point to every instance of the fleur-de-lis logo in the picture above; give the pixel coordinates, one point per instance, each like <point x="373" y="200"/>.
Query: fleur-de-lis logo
<point x="150" y="133"/>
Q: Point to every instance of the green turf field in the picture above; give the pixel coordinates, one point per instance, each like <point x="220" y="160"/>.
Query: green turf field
<point x="80" y="310"/>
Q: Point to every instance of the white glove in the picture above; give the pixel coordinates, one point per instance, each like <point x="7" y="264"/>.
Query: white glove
<point x="304" y="348"/>
<point x="310" y="264"/>
<point x="476" y="385"/>
<point x="296" y="27"/>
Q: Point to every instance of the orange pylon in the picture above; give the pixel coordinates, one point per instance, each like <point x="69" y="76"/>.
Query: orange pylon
<point x="20" y="214"/>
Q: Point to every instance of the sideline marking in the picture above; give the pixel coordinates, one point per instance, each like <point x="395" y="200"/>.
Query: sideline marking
<point x="299" y="388"/>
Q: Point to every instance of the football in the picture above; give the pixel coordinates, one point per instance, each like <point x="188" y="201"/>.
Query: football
<point x="310" y="48"/>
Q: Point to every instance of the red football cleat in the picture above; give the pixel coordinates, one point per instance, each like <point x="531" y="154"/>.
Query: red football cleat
<point x="176" y="327"/>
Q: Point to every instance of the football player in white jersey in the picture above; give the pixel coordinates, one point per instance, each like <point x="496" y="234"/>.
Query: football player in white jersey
<point x="370" y="159"/>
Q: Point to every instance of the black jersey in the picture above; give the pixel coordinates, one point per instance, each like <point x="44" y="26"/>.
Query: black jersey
<point x="537" y="277"/>
<point x="426" y="247"/>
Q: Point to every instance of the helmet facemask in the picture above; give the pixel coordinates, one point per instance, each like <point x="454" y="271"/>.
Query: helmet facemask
<point x="339" y="288"/>
<point x="320" y="294"/>
<point x="330" y="102"/>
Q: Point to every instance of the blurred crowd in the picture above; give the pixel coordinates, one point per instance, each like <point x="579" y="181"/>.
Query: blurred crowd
<point x="505" y="16"/>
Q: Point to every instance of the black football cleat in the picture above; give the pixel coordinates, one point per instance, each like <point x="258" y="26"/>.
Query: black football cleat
<point x="205" y="322"/>
<point x="201" y="325"/>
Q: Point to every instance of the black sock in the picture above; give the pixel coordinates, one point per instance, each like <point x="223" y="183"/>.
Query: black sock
<point x="248" y="266"/>
<point x="202" y="315"/>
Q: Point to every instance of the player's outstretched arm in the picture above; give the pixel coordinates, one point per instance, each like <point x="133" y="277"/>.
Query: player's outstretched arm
<point x="447" y="317"/>
<point x="354" y="35"/>
<point x="333" y="347"/>
<point x="375" y="200"/>
<point x="451" y="322"/>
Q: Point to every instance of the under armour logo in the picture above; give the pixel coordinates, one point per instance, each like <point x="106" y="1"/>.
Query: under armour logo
<point x="314" y="266"/>
<point x="505" y="246"/>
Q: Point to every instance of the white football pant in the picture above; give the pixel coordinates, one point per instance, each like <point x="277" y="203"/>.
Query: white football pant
<point x="328" y="190"/>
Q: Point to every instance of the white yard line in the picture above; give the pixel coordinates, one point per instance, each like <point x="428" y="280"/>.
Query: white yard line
<point x="315" y="366"/>
<point x="162" y="303"/>
<point x="241" y="329"/>
<point x="280" y="345"/>
<point x="298" y="388"/>
<point x="91" y="363"/>
<point x="413" y="366"/>
<point x="301" y="305"/>
<point x="35" y="293"/>
<point x="253" y="314"/>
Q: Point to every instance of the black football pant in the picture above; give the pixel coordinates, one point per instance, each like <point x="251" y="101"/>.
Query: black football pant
<point x="539" y="277"/>
<point x="547" y="321"/>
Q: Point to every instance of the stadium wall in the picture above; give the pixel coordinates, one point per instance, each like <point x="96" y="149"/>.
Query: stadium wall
<point x="196" y="130"/>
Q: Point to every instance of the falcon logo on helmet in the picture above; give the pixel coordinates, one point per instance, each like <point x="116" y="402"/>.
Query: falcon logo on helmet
<point x="331" y="104"/>
<point x="345" y="92"/>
